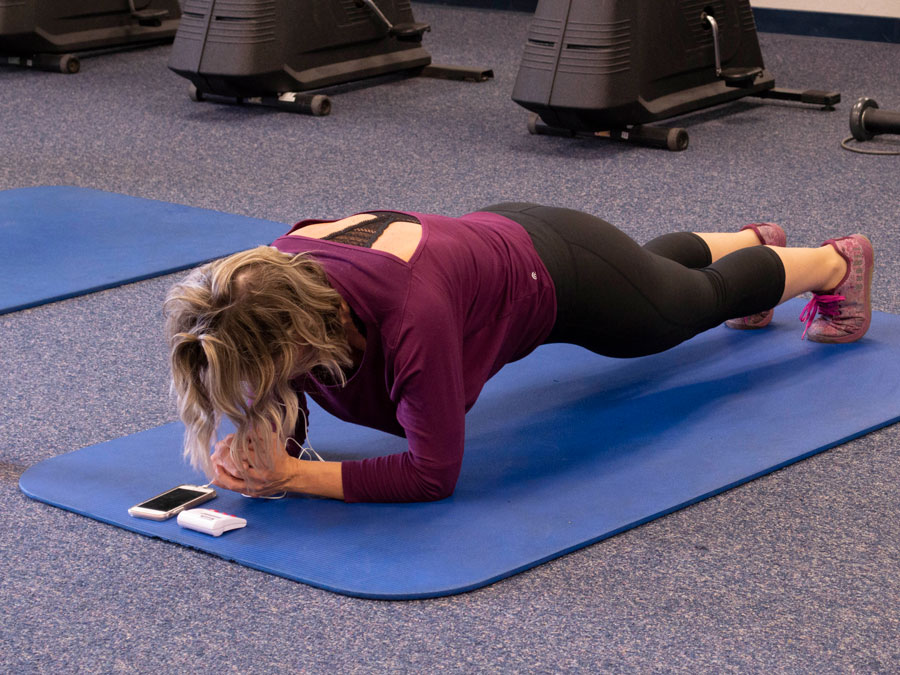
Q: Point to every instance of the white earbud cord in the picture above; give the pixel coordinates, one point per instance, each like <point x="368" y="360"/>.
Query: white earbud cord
<point x="306" y="450"/>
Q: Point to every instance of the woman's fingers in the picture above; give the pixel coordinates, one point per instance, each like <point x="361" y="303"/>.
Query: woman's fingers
<point x="247" y="473"/>
<point x="223" y="462"/>
<point x="225" y="443"/>
<point x="253" y="482"/>
<point x="225" y="480"/>
<point x="222" y="448"/>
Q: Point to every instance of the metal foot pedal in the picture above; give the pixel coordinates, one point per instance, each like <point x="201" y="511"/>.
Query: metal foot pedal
<point x="410" y="32"/>
<point x="741" y="77"/>
<point x="147" y="17"/>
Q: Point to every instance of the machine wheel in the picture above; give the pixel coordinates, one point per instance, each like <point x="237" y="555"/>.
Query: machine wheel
<point x="69" y="64"/>
<point x="320" y="105"/>
<point x="533" y="124"/>
<point x="677" y="139"/>
<point x="195" y="94"/>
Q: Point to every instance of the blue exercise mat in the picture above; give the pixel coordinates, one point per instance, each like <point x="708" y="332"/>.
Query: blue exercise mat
<point x="563" y="449"/>
<point x="58" y="242"/>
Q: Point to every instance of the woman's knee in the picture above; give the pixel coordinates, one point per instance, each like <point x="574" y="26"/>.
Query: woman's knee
<point x="685" y="248"/>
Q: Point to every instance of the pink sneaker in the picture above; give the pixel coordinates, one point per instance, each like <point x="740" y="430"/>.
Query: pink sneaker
<point x="844" y="314"/>
<point x="769" y="234"/>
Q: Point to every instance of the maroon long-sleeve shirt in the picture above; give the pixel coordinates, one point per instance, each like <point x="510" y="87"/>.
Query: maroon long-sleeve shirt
<point x="473" y="297"/>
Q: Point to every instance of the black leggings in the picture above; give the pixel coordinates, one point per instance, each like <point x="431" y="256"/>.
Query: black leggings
<point x="621" y="299"/>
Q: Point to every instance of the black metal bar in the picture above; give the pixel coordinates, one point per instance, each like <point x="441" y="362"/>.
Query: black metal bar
<point x="302" y="103"/>
<point x="457" y="73"/>
<point x="812" y="96"/>
<point x="54" y="63"/>
<point x="674" y="139"/>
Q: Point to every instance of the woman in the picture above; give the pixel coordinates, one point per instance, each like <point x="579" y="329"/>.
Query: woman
<point x="396" y="320"/>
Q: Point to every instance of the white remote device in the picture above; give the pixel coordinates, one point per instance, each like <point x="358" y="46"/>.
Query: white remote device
<point x="209" y="521"/>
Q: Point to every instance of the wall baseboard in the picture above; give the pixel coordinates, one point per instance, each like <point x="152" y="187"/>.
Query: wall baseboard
<point x="826" y="24"/>
<point x="793" y="22"/>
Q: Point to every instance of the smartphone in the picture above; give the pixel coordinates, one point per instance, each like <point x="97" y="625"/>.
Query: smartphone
<point x="172" y="502"/>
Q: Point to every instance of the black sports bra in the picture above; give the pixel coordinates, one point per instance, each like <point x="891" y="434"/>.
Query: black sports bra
<point x="366" y="233"/>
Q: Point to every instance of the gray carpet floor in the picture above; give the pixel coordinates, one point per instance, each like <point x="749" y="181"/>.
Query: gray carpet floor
<point x="798" y="571"/>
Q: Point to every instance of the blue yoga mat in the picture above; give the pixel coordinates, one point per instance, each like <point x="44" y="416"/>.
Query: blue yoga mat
<point x="563" y="449"/>
<point x="58" y="242"/>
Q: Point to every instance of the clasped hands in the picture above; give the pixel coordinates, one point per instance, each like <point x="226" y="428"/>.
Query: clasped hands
<point x="250" y="475"/>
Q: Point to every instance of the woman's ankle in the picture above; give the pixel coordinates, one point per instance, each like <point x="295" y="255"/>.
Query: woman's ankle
<point x="835" y="268"/>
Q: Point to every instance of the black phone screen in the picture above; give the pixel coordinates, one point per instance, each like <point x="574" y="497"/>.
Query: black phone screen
<point x="171" y="499"/>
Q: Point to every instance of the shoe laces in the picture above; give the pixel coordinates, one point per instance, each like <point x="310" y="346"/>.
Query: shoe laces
<point x="826" y="305"/>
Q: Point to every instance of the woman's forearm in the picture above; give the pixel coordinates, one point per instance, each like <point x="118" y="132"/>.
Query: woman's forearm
<point x="249" y="476"/>
<point x="322" y="479"/>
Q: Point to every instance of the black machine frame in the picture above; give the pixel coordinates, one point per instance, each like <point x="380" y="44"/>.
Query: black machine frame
<point x="608" y="68"/>
<point x="54" y="35"/>
<point x="287" y="54"/>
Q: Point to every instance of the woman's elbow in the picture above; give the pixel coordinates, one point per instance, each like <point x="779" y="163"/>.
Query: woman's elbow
<point x="435" y="488"/>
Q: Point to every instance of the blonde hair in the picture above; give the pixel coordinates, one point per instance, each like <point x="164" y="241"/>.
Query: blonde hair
<point x="239" y="329"/>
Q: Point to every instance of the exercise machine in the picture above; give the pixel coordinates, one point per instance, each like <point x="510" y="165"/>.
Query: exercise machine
<point x="53" y="34"/>
<point x="608" y="68"/>
<point x="280" y="53"/>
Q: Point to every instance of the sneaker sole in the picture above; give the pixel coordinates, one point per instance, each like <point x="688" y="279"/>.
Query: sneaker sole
<point x="741" y="324"/>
